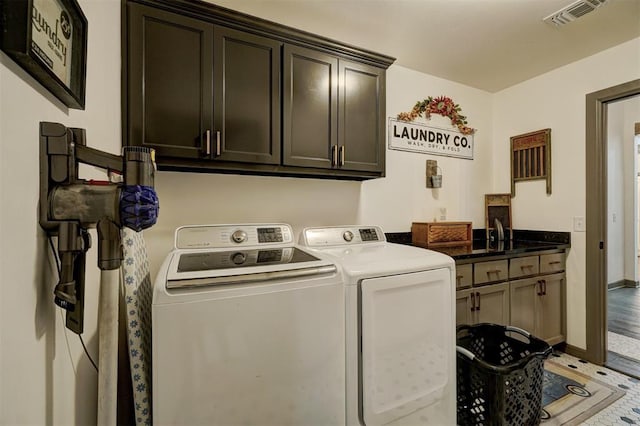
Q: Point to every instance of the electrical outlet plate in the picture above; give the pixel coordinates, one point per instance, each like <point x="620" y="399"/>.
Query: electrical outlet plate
<point x="579" y="224"/>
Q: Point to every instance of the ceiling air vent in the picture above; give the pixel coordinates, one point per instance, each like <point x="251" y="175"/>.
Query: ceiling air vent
<point x="574" y="11"/>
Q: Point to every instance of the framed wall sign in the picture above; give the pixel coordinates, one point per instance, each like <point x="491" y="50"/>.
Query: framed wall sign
<point x="48" y="38"/>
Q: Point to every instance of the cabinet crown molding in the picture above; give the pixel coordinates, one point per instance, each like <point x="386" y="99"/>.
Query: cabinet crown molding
<point x="241" y="21"/>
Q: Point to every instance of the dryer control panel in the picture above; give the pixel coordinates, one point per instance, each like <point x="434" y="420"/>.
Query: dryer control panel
<point x="221" y="236"/>
<point x="341" y="235"/>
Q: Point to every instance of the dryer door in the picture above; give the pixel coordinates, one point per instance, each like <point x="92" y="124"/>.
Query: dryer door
<point x="408" y="349"/>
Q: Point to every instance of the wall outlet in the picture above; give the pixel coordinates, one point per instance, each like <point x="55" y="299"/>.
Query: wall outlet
<point x="442" y="213"/>
<point x="579" y="224"/>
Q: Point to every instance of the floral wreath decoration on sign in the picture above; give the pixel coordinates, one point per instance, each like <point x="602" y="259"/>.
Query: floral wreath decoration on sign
<point x="441" y="105"/>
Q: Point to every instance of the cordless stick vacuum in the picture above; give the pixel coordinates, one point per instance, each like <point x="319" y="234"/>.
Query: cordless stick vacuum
<point x="69" y="206"/>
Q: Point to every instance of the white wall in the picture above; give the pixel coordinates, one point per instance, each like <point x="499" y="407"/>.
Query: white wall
<point x="556" y="100"/>
<point x="622" y="202"/>
<point x="402" y="197"/>
<point x="615" y="193"/>
<point x="45" y="377"/>
<point x="630" y="116"/>
<point x="39" y="358"/>
<point x="392" y="202"/>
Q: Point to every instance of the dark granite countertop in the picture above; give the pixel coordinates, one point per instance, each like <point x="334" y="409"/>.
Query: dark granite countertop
<point x="523" y="241"/>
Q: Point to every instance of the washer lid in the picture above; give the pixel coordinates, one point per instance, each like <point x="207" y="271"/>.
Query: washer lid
<point x="212" y="260"/>
<point x="201" y="268"/>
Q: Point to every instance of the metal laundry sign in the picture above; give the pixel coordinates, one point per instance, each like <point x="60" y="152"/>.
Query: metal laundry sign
<point x="416" y="137"/>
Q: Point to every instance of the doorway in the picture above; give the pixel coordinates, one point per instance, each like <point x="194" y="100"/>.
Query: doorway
<point x="597" y="215"/>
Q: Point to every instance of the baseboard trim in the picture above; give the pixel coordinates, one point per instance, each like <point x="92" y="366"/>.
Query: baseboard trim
<point x="632" y="284"/>
<point x="575" y="351"/>
<point x="616" y="284"/>
<point x="623" y="283"/>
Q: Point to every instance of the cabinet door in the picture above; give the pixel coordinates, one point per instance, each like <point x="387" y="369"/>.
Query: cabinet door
<point x="524" y="304"/>
<point x="169" y="82"/>
<point x="551" y="319"/>
<point x="310" y="108"/>
<point x="492" y="304"/>
<point x="246" y="98"/>
<point x="464" y="313"/>
<point x="362" y="109"/>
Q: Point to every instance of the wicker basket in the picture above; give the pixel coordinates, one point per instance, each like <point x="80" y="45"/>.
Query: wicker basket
<point x="437" y="235"/>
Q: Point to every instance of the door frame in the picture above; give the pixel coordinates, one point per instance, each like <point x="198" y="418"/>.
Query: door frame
<point x="596" y="215"/>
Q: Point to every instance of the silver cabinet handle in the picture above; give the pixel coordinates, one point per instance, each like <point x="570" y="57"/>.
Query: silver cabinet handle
<point x="342" y="149"/>
<point x="207" y="142"/>
<point x="334" y="155"/>
<point x="473" y="302"/>
<point x="217" y="143"/>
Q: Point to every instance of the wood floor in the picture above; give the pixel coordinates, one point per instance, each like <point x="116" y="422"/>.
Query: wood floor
<point x="623" y="317"/>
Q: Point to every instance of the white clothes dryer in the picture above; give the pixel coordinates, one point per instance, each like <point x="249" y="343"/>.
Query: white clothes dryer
<point x="400" y="318"/>
<point x="247" y="329"/>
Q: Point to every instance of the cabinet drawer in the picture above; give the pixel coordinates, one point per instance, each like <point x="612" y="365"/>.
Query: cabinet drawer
<point x="550" y="263"/>
<point x="523" y="266"/>
<point x="486" y="272"/>
<point x="464" y="275"/>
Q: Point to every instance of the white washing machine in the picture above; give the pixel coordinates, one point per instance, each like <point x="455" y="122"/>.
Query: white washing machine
<point x="400" y="349"/>
<point x="247" y="329"/>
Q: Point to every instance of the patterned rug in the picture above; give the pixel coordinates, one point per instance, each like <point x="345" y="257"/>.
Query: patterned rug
<point x="570" y="397"/>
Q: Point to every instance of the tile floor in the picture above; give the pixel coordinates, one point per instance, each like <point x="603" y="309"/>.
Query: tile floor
<point x="626" y="410"/>
<point x="623" y="345"/>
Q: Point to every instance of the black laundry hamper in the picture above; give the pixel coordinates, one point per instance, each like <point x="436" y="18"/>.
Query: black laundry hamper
<point x="499" y="377"/>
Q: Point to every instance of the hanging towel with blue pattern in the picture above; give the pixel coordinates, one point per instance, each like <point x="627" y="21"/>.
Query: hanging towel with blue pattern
<point x="138" y="293"/>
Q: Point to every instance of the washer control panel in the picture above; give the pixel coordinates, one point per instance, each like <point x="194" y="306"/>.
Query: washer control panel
<point x="341" y="235"/>
<point x="221" y="236"/>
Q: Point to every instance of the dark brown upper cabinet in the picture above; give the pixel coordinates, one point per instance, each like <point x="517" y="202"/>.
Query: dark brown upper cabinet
<point x="362" y="117"/>
<point x="310" y="108"/>
<point x="202" y="91"/>
<point x="170" y="92"/>
<point x="215" y="90"/>
<point x="246" y="110"/>
<point x="333" y="112"/>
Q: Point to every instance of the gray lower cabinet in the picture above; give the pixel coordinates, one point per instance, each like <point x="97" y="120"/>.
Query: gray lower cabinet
<point x="537" y="305"/>
<point x="533" y="299"/>
<point x="483" y="304"/>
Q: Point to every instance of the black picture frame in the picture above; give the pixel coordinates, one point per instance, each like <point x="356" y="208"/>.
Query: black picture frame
<point x="17" y="20"/>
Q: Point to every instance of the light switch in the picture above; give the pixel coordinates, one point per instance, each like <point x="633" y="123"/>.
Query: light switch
<point x="579" y="224"/>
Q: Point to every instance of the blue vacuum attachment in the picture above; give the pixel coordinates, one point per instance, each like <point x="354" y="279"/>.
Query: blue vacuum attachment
<point x="139" y="207"/>
<point x="138" y="200"/>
